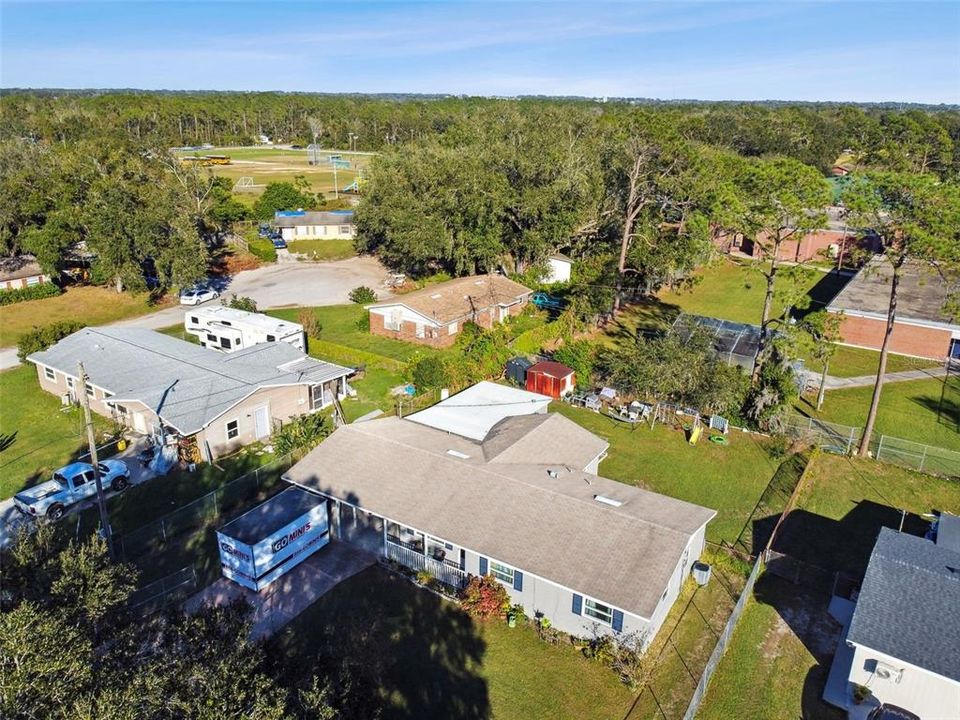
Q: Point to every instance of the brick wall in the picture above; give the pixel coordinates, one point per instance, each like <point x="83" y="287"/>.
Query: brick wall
<point x="906" y="339"/>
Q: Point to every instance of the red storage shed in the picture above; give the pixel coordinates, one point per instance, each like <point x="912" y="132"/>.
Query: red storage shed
<point x="550" y="378"/>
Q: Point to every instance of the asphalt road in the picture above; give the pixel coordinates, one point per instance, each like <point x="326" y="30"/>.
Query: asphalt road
<point x="284" y="284"/>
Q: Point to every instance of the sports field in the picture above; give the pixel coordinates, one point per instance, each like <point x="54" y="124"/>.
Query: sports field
<point x="265" y="165"/>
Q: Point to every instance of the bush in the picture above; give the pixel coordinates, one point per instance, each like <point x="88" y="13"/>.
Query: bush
<point x="238" y="302"/>
<point x="31" y="292"/>
<point x="430" y="372"/>
<point x="363" y="295"/>
<point x="579" y="355"/>
<point x="484" y="598"/>
<point x="311" y="323"/>
<point x="263" y="249"/>
<point x="43" y="337"/>
<point x="302" y="432"/>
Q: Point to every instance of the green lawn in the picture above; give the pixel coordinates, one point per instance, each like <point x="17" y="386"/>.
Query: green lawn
<point x="733" y="291"/>
<point x="431" y="660"/>
<point x="91" y="305"/>
<point x="908" y="410"/>
<point x="341" y="326"/>
<point x="324" y="250"/>
<point x="178" y="332"/>
<point x="777" y="662"/>
<point x="772" y="668"/>
<point x="854" y="362"/>
<point x="729" y="479"/>
<point x="37" y="435"/>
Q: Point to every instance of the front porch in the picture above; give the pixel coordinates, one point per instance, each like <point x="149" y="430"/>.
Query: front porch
<point x="412" y="548"/>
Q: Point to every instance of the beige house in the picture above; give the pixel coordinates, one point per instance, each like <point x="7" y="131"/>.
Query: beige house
<point x="314" y="225"/>
<point x="20" y="272"/>
<point x="435" y="314"/>
<point x="179" y="392"/>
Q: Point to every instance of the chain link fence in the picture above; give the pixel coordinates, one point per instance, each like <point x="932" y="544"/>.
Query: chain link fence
<point x="844" y="439"/>
<point x="204" y="511"/>
<point x="174" y="587"/>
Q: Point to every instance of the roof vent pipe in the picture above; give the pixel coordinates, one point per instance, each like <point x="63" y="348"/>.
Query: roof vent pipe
<point x="607" y="501"/>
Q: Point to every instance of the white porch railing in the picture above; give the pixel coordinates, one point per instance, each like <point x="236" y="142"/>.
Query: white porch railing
<point x="415" y="561"/>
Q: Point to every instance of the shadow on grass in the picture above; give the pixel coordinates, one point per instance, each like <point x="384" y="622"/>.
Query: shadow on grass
<point x="804" y="614"/>
<point x="645" y="318"/>
<point x="946" y="408"/>
<point x="400" y="650"/>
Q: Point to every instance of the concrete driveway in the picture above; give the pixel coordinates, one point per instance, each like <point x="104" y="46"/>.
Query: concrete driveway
<point x="291" y="594"/>
<point x="284" y="284"/>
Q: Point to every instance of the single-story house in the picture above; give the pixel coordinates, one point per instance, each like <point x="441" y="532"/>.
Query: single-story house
<point x="523" y="504"/>
<point x="20" y="271"/>
<point x="922" y="327"/>
<point x="559" y="268"/>
<point x="434" y="315"/>
<point x="835" y="241"/>
<point x="314" y="225"/>
<point x="551" y="378"/>
<point x="905" y="630"/>
<point x="174" y="390"/>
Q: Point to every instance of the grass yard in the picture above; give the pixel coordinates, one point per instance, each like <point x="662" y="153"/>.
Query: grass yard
<point x="36" y="435"/>
<point x="431" y="660"/>
<point x="854" y="362"/>
<point x="734" y="291"/>
<point x="323" y="250"/>
<point x="728" y="479"/>
<point x="908" y="410"/>
<point x="777" y="662"/>
<point x="342" y="326"/>
<point x="92" y="305"/>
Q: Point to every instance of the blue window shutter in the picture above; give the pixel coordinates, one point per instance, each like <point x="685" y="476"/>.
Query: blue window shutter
<point x="617" y="620"/>
<point x="518" y="581"/>
<point x="577" y="604"/>
<point x="483" y="566"/>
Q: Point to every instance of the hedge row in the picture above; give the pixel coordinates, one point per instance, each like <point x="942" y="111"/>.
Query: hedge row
<point x="263" y="249"/>
<point x="31" y="292"/>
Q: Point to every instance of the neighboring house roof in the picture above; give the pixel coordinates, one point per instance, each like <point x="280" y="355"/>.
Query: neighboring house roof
<point x="560" y="258"/>
<point x="921" y="295"/>
<point x="19" y="266"/>
<point x="948" y="531"/>
<point x="472" y="413"/>
<point x="293" y="218"/>
<point x="553" y="369"/>
<point x="188" y="386"/>
<point x="461" y="297"/>
<point x="908" y="603"/>
<point x="542" y="518"/>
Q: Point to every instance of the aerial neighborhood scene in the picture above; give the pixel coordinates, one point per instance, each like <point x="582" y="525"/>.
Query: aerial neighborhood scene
<point x="480" y="360"/>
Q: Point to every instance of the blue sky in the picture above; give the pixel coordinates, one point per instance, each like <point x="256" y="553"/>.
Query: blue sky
<point x="846" y="50"/>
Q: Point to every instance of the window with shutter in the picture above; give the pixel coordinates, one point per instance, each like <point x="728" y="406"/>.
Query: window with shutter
<point x="577" y="604"/>
<point x="483" y="566"/>
<point x="617" y="621"/>
<point x="518" y="581"/>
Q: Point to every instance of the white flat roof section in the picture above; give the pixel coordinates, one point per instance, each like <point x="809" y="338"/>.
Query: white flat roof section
<point x="219" y="313"/>
<point x="474" y="411"/>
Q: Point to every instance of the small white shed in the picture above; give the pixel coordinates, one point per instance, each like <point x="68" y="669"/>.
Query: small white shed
<point x="558" y="269"/>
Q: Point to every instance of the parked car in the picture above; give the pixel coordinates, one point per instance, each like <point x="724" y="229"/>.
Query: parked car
<point x="197" y="296"/>
<point x="891" y="712"/>
<point x="264" y="230"/>
<point x="70" y="485"/>
<point x="279" y="243"/>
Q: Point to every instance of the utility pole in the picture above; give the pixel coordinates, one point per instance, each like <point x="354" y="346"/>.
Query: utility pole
<point x="92" y="442"/>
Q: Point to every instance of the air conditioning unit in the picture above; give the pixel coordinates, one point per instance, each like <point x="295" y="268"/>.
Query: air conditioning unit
<point x="888" y="672"/>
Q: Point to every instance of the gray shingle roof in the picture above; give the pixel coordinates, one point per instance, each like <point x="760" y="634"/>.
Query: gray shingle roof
<point x="517" y="513"/>
<point x="313" y="217"/>
<point x="19" y="266"/>
<point x="909" y="604"/>
<point x="187" y="385"/>
<point x="542" y="439"/>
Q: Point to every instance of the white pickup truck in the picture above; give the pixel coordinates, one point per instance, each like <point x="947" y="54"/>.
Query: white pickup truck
<point x="70" y="485"/>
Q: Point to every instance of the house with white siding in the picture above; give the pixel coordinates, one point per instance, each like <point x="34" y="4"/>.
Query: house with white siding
<point x="523" y="503"/>
<point x="314" y="225"/>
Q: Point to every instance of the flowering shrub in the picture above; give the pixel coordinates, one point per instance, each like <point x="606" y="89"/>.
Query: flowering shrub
<point x="485" y="598"/>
